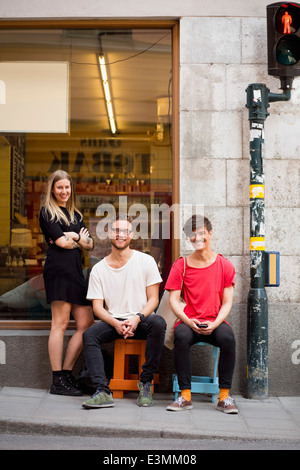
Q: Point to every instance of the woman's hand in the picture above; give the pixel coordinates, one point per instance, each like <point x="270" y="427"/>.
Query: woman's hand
<point x="72" y="235"/>
<point x="84" y="233"/>
<point x="86" y="240"/>
<point x="82" y="239"/>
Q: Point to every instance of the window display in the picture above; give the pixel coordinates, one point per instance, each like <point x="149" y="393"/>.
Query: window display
<point x="123" y="168"/>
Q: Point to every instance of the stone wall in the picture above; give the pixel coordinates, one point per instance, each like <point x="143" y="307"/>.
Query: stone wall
<point x="219" y="58"/>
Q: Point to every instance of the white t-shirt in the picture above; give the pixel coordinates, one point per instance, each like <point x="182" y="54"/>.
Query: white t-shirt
<point x="124" y="289"/>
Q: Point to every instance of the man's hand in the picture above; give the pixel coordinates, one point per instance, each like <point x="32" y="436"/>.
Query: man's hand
<point x="118" y="325"/>
<point x="195" y="325"/>
<point x="129" y="326"/>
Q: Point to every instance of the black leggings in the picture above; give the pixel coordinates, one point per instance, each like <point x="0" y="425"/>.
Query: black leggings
<point x="152" y="329"/>
<point x="222" y="337"/>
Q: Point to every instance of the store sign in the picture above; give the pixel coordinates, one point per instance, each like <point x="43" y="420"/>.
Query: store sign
<point x="34" y="97"/>
<point x="92" y="157"/>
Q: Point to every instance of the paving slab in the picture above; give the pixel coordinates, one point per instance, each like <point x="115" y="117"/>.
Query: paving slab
<point x="24" y="410"/>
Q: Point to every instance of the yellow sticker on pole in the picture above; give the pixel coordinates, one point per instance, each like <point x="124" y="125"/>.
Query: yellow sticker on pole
<point x="257" y="243"/>
<point x="257" y="191"/>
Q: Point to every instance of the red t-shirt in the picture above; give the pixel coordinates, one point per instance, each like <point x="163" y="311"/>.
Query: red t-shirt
<point x="203" y="287"/>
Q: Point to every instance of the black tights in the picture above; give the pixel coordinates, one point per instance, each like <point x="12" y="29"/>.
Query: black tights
<point x="222" y="337"/>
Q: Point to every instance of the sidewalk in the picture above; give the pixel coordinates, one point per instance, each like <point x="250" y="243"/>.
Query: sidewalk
<point x="28" y="411"/>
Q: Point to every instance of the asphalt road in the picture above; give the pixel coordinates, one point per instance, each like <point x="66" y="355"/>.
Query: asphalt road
<point x="38" y="442"/>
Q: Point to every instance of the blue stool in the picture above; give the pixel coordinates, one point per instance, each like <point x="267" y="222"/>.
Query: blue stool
<point x="202" y="384"/>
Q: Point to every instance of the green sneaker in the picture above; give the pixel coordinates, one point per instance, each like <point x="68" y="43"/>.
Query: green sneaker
<point x="145" y="395"/>
<point x="99" y="400"/>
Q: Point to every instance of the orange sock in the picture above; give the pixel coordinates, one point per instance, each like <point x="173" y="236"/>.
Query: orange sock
<point x="186" y="394"/>
<point x="224" y="393"/>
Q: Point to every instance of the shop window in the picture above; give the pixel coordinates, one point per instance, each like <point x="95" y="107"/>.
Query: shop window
<point x="126" y="167"/>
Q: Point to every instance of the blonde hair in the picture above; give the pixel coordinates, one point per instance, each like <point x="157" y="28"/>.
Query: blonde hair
<point x="49" y="202"/>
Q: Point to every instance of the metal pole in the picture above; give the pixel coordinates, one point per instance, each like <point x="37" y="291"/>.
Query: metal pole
<point x="258" y="99"/>
<point x="257" y="312"/>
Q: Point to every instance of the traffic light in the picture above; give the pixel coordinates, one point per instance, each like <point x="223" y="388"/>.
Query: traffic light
<point x="283" y="25"/>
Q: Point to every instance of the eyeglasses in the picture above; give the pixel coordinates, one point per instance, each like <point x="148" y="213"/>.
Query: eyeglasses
<point x="118" y="231"/>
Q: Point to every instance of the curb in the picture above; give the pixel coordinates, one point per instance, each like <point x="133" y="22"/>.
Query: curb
<point x="11" y="426"/>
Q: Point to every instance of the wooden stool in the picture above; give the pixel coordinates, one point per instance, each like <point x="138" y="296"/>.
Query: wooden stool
<point x="122" y="380"/>
<point x="205" y="384"/>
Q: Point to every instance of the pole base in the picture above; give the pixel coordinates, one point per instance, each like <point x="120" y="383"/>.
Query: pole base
<point x="257" y="343"/>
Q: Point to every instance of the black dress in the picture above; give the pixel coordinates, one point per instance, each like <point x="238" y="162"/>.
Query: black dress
<point x="63" y="274"/>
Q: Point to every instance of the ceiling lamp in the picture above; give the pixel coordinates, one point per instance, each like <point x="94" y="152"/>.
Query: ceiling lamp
<point x="107" y="94"/>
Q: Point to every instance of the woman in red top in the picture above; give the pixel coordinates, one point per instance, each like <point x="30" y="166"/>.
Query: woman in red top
<point x="208" y="293"/>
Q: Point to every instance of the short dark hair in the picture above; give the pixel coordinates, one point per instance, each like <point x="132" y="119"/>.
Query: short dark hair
<point x="118" y="217"/>
<point x="196" y="221"/>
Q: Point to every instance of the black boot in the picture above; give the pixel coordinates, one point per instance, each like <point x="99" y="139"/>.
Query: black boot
<point x="61" y="386"/>
<point x="71" y="379"/>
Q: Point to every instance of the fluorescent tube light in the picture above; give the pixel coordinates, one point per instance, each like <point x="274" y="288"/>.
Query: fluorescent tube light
<point x="107" y="94"/>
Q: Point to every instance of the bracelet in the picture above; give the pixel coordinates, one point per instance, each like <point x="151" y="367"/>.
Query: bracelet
<point x="78" y="238"/>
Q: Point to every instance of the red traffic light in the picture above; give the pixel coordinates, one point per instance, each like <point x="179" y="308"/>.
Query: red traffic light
<point x="287" y="18"/>
<point x="283" y="23"/>
<point x="287" y="21"/>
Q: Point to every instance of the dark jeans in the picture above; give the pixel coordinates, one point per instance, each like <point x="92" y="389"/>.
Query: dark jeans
<point x="152" y="329"/>
<point x="222" y="337"/>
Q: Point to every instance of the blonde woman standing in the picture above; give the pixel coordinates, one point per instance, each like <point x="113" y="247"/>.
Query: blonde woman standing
<point x="66" y="288"/>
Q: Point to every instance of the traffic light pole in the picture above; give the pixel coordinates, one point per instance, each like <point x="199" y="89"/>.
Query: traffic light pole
<point x="258" y="98"/>
<point x="283" y="25"/>
<point x="257" y="308"/>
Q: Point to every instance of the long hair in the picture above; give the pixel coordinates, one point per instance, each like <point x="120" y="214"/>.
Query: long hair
<point x="50" y="204"/>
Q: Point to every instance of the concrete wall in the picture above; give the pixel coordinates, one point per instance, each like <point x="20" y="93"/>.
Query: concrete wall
<point x="219" y="58"/>
<point x="105" y="9"/>
<point x="222" y="50"/>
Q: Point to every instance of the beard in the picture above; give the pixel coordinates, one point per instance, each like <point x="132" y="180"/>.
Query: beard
<point x="122" y="247"/>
